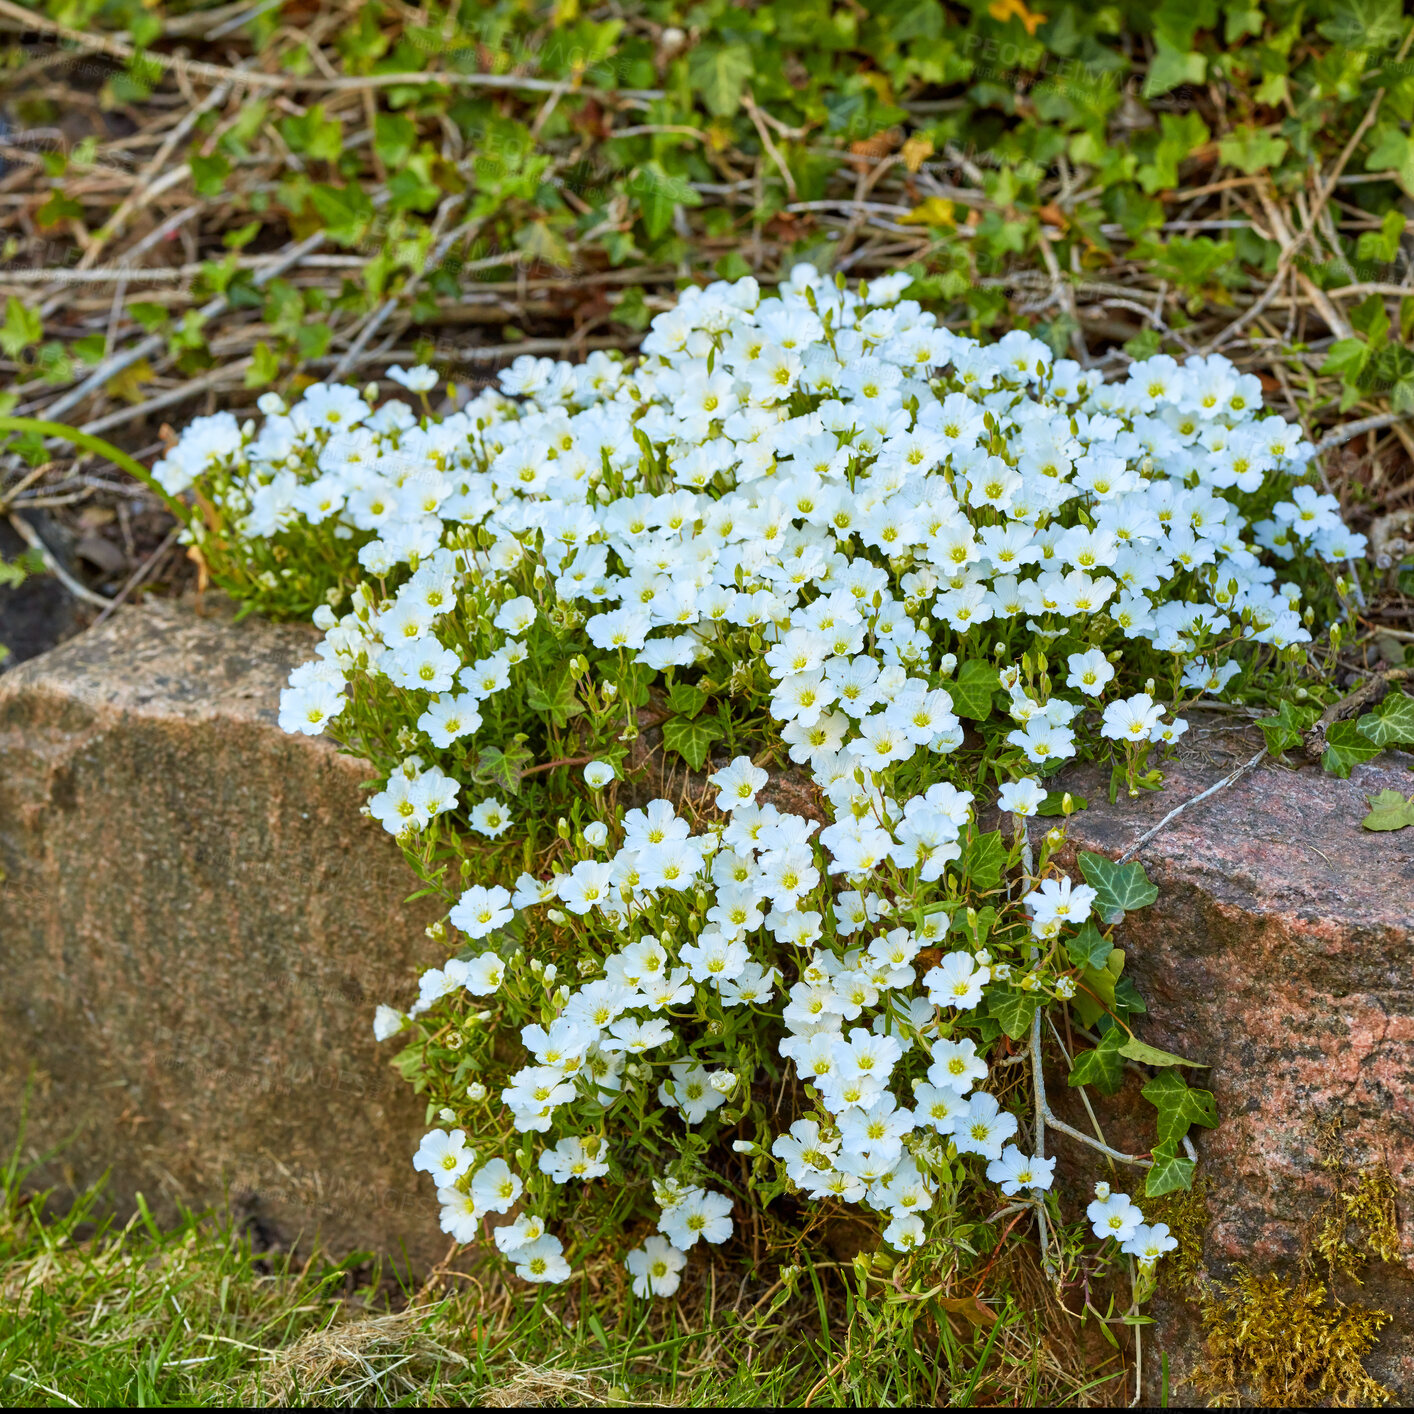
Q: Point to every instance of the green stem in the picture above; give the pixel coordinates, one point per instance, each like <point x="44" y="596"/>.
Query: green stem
<point x="62" y="432"/>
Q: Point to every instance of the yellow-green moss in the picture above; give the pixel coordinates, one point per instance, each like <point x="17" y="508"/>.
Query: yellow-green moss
<point x="1358" y="1224"/>
<point x="1281" y="1344"/>
<point x="1187" y="1216"/>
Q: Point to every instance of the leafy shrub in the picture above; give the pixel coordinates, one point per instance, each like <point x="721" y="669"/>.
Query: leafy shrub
<point x="817" y="534"/>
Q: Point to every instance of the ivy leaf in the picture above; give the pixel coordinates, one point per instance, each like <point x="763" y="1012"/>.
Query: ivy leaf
<point x="1363" y="24"/>
<point x="1346" y="747"/>
<point x="1252" y="149"/>
<point x="1089" y="947"/>
<point x="555" y="699"/>
<point x="1172" y="67"/>
<point x="719" y="72"/>
<point x="1119" y="888"/>
<point x="971" y="691"/>
<point x="1391" y="723"/>
<point x="982" y="860"/>
<point x="692" y="738"/>
<point x="1102" y="1067"/>
<point x="1137" y="1050"/>
<point x="1171" y="1171"/>
<point x="1013" y="1009"/>
<point x="1286" y="729"/>
<point x="1179" y="1107"/>
<point x="685" y="699"/>
<point x="502" y="768"/>
<point x="1389" y="811"/>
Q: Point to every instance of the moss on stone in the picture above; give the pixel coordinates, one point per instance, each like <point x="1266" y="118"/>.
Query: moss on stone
<point x="1187" y="1216"/>
<point x="1282" y="1343"/>
<point x="1358" y="1224"/>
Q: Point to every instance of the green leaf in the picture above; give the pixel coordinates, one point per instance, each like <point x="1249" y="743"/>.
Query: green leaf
<point x="692" y="738"/>
<point x="151" y="316"/>
<point x="1102" y="1067"/>
<point x="1171" y="1172"/>
<point x="1089" y="947"/>
<point x="685" y="699"/>
<point x="1363" y="24"/>
<point x="659" y="194"/>
<point x="1346" y="358"/>
<point x="264" y="366"/>
<point x="1346" y="747"/>
<point x="1172" y="67"/>
<point x="555" y="699"/>
<point x="1119" y="888"/>
<point x="1054" y="803"/>
<point x="971" y="690"/>
<point x="1136" y="1050"/>
<point x="22" y="328"/>
<point x="502" y="768"/>
<point x="1391" y="723"/>
<point x="1286" y="729"/>
<point x="719" y="72"/>
<point x="208" y="174"/>
<point x="1097" y="988"/>
<point x="1389" y="811"/>
<point x="394" y="135"/>
<point x="1179" y="1107"/>
<point x="1382" y="245"/>
<point x="982" y="860"/>
<point x="1012" y="1008"/>
<point x="1252" y="149"/>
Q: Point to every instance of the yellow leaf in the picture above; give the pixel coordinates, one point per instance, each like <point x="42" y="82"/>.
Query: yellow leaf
<point x="916" y="151"/>
<point x="936" y="211"/>
<point x="127" y="384"/>
<point x="1004" y="10"/>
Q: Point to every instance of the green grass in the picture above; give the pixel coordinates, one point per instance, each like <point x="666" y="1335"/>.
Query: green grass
<point x="98" y="1312"/>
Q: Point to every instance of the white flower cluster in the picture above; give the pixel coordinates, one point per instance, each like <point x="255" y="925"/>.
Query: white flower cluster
<point x="871" y="506"/>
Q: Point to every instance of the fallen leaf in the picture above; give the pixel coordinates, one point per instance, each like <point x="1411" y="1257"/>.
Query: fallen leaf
<point x="1389" y="811"/>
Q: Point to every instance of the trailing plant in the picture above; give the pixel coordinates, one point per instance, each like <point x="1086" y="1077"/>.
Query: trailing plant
<point x="847" y="584"/>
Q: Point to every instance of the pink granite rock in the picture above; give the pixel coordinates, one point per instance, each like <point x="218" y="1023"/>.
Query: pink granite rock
<point x="1281" y="954"/>
<point x="197" y="927"/>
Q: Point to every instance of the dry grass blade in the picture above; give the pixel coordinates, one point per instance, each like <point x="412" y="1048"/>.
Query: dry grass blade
<point x="373" y="1359"/>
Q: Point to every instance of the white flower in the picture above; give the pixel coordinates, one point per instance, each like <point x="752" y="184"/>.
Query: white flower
<point x="461" y="1218"/>
<point x="387" y="1022"/>
<point x="598" y="774"/>
<point x="480" y="910"/>
<point x="1148" y="1244"/>
<point x="419" y="379"/>
<point x="443" y="1155"/>
<point x="1014" y="1171"/>
<point x="956" y="981"/>
<point x="1022" y="797"/>
<point x="574" y="1158"/>
<point x="495" y="1187"/>
<point x="541" y="1261"/>
<point x="698" y="1213"/>
<point x="656" y="1267"/>
<point x="1114" y="1216"/>
<point x="1131" y="718"/>
<point x="983" y="1127"/>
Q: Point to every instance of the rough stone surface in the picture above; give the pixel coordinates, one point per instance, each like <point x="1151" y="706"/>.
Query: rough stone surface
<point x="1281" y="954"/>
<point x="197" y="925"/>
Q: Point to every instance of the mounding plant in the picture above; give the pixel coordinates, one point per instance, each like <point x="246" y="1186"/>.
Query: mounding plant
<point x="693" y="682"/>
